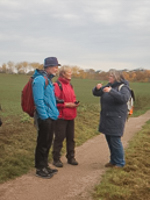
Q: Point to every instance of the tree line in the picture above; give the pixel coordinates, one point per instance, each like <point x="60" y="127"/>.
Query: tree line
<point x="138" y="75"/>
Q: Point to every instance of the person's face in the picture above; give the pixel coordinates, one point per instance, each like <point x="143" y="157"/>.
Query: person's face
<point x="111" y="79"/>
<point x="67" y="75"/>
<point x="52" y="70"/>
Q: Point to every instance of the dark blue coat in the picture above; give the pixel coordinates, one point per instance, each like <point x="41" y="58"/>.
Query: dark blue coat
<point x="113" y="113"/>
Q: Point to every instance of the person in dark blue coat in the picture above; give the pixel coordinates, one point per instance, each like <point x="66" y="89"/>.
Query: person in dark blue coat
<point x="113" y="114"/>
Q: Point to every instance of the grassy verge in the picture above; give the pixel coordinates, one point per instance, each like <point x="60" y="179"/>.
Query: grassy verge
<point x="18" y="140"/>
<point x="131" y="182"/>
<point x="16" y="148"/>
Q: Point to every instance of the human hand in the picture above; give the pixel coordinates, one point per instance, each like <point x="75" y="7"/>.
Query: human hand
<point x="70" y="105"/>
<point x="98" y="86"/>
<point x="107" y="89"/>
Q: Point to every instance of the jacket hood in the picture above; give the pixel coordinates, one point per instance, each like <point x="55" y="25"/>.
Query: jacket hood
<point x="39" y="73"/>
<point x="43" y="73"/>
<point x="125" y="82"/>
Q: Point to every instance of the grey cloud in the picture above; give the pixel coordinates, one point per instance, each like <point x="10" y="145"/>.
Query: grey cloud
<point x="77" y="31"/>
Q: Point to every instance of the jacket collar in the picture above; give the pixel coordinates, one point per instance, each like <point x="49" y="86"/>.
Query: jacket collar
<point x="64" y="80"/>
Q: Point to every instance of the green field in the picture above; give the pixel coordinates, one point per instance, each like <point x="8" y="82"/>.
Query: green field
<point x="11" y="87"/>
<point x="18" y="135"/>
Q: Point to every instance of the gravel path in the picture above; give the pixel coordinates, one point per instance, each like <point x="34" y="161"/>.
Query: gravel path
<point x="71" y="182"/>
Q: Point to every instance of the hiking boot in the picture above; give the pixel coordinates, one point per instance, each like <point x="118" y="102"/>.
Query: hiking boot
<point x="109" y="165"/>
<point x="43" y="173"/>
<point x="53" y="171"/>
<point x="72" y="161"/>
<point x="58" y="163"/>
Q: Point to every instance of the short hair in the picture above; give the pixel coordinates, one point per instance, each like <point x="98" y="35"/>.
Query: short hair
<point x="64" y="69"/>
<point x="118" y="75"/>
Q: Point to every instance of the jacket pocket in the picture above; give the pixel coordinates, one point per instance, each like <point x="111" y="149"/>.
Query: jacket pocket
<point x="114" y="121"/>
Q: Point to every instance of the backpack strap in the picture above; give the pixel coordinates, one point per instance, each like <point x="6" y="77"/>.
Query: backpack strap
<point x="60" y="85"/>
<point x="46" y="81"/>
<point x="120" y="86"/>
<point x="131" y="91"/>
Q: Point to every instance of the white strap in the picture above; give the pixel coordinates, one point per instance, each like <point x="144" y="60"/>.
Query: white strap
<point x="120" y="86"/>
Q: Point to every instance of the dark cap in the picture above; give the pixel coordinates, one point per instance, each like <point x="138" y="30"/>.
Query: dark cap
<point x="50" y="62"/>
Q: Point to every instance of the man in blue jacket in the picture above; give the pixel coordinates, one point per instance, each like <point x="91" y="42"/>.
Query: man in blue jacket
<point x="46" y="113"/>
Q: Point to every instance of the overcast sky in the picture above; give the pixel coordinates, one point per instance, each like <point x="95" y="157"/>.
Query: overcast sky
<point x="90" y="34"/>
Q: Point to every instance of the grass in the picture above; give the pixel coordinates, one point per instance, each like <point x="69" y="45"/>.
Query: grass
<point x="132" y="182"/>
<point x="18" y="135"/>
<point x="16" y="149"/>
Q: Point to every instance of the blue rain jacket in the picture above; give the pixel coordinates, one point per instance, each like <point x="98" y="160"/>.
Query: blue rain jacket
<point x="44" y="97"/>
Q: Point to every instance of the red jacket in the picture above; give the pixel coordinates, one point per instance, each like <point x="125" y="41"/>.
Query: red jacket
<point x="68" y="95"/>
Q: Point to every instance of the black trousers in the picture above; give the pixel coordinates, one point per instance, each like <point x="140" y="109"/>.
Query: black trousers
<point x="64" y="129"/>
<point x="44" y="141"/>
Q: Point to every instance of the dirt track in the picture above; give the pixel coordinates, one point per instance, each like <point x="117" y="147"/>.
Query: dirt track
<point x="71" y="182"/>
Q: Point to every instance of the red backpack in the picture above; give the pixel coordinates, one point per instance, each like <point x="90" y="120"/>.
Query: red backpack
<point x="27" y="101"/>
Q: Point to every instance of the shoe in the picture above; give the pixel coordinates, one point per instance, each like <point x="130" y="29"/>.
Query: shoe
<point x="53" y="171"/>
<point x="58" y="163"/>
<point x="43" y="173"/>
<point x="109" y="165"/>
<point x="72" y="161"/>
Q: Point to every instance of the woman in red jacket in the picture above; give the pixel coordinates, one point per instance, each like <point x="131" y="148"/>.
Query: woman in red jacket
<point x="64" y="126"/>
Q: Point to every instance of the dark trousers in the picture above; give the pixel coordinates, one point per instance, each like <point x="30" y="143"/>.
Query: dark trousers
<point x="44" y="141"/>
<point x="64" y="129"/>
